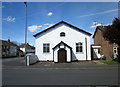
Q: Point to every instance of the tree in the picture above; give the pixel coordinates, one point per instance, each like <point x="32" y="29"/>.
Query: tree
<point x="112" y="34"/>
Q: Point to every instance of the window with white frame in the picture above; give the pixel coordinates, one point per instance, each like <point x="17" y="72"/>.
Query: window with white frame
<point x="79" y="47"/>
<point x="46" y="48"/>
<point x="115" y="50"/>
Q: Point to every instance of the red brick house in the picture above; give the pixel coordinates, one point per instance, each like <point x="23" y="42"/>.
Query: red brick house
<point x="101" y="47"/>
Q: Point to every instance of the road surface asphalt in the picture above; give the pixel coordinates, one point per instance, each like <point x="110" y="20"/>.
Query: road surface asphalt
<point x="14" y="72"/>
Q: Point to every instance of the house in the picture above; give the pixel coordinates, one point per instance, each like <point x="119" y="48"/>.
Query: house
<point x="63" y="42"/>
<point x="29" y="48"/>
<point x="8" y="48"/>
<point x="101" y="47"/>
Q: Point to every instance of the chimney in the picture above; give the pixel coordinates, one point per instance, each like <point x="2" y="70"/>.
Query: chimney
<point x="8" y="40"/>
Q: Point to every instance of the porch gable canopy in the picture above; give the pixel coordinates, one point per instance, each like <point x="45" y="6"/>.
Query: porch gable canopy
<point x="62" y="43"/>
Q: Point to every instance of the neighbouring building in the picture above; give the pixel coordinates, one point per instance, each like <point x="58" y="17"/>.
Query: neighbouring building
<point x="101" y="47"/>
<point x="29" y="48"/>
<point x="63" y="42"/>
<point x="8" y="48"/>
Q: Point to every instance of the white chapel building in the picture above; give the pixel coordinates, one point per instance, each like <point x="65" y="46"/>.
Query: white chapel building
<point x="63" y="42"/>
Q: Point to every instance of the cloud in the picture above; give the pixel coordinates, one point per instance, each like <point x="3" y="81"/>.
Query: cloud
<point x="34" y="28"/>
<point x="9" y="19"/>
<point x="104" y="12"/>
<point x="48" y="25"/>
<point x="95" y="24"/>
<point x="45" y="26"/>
<point x="50" y="13"/>
<point x="108" y="24"/>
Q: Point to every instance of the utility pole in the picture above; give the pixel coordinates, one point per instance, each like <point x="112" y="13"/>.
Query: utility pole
<point x="25" y="26"/>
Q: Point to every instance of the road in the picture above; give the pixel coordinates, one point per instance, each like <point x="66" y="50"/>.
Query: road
<point x="86" y="73"/>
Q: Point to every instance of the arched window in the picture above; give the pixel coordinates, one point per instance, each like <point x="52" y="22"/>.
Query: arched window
<point x="62" y="34"/>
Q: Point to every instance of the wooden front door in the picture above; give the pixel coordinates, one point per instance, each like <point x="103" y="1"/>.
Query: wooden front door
<point x="62" y="56"/>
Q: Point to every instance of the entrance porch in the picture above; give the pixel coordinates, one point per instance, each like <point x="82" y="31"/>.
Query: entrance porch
<point x="62" y="53"/>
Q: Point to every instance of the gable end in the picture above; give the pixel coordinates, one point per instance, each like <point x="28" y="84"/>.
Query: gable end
<point x="62" y="22"/>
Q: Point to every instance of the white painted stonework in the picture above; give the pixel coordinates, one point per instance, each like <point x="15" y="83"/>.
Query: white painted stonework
<point x="72" y="36"/>
<point x="23" y="49"/>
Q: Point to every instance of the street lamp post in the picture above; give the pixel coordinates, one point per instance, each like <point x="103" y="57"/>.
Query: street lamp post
<point x="25" y="25"/>
<point x="26" y="33"/>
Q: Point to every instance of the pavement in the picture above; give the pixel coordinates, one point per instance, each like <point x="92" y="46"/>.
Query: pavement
<point x="19" y="61"/>
<point x="48" y="73"/>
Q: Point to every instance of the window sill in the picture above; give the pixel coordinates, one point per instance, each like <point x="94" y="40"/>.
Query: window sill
<point x="79" y="53"/>
<point x="46" y="53"/>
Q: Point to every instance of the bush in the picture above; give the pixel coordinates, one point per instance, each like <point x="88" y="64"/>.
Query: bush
<point x="103" y="57"/>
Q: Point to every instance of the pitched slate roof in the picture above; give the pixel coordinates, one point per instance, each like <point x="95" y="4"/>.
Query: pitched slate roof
<point x="63" y="22"/>
<point x="102" y="28"/>
<point x="23" y="45"/>
<point x="4" y="42"/>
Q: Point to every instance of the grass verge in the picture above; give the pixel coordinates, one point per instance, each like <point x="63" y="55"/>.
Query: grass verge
<point x="109" y="62"/>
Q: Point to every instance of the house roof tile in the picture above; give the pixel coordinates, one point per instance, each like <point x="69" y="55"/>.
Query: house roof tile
<point x="4" y="42"/>
<point x="102" y="28"/>
<point x="28" y="45"/>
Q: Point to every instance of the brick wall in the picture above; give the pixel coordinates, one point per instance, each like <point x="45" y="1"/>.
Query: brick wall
<point x="106" y="47"/>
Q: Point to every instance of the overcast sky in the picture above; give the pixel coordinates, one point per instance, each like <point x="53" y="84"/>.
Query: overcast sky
<point x="44" y="14"/>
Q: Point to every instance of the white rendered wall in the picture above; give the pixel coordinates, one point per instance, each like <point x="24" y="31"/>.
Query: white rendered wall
<point x="53" y="37"/>
<point x="88" y="49"/>
<point x="55" y="54"/>
<point x="23" y="49"/>
<point x="68" y="54"/>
